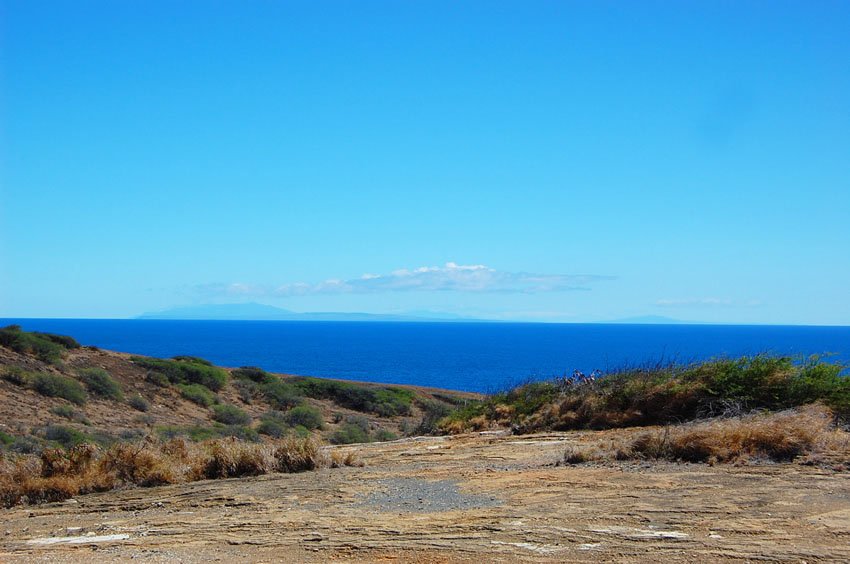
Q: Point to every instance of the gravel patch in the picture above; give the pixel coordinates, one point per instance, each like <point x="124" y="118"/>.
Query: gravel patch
<point x="423" y="496"/>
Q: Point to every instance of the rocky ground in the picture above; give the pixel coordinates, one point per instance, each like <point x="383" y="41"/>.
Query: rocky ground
<point x="471" y="498"/>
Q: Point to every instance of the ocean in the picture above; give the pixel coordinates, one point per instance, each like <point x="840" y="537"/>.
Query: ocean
<point x="479" y="357"/>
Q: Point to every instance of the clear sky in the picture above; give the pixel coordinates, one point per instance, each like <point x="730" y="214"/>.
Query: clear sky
<point x="559" y="161"/>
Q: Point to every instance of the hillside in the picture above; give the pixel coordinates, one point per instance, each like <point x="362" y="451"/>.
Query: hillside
<point x="72" y="394"/>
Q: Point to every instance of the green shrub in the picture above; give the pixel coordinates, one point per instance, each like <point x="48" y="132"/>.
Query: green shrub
<point x="185" y="370"/>
<point x="348" y="434"/>
<point x="70" y="413"/>
<point x="53" y="385"/>
<point x="100" y="383"/>
<point x="138" y="403"/>
<point x="192" y="360"/>
<point x="382" y="435"/>
<point x="6" y="439"/>
<point x="246" y="390"/>
<point x="44" y="346"/>
<point x="280" y="394"/>
<point x="230" y="415"/>
<point x="272" y="428"/>
<point x="66" y="436"/>
<point x="64" y="410"/>
<point x="383" y="401"/>
<point x="433" y="412"/>
<point x="158" y="379"/>
<point x="197" y="393"/>
<point x="354" y="430"/>
<point x="307" y="416"/>
<point x="253" y="374"/>
<point x="18" y="376"/>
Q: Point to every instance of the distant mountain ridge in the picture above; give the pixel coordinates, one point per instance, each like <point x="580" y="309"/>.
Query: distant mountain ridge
<point x="262" y="312"/>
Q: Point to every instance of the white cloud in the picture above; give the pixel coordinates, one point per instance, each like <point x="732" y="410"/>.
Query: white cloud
<point x="705" y="302"/>
<point x="450" y="277"/>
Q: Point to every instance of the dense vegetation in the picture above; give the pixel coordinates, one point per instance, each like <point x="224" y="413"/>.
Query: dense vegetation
<point x="45" y="346"/>
<point x="662" y="395"/>
<point x="185" y="370"/>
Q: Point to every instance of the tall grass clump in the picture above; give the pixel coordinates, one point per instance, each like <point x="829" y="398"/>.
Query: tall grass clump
<point x="100" y="383"/>
<point x="185" y="370"/>
<point x="778" y="437"/>
<point x="58" y="474"/>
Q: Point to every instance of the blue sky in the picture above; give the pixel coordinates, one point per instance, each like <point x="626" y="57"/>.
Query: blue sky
<point x="557" y="161"/>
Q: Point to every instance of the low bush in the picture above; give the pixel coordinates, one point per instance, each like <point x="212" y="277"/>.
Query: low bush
<point x="433" y="411"/>
<point x="230" y="415"/>
<point x="354" y="430"/>
<point x="305" y="415"/>
<point x="139" y="403"/>
<point x="382" y="435"/>
<point x="18" y="376"/>
<point x="253" y="374"/>
<point x="44" y="346"/>
<point x="53" y="385"/>
<point x="158" y="379"/>
<point x="185" y="370"/>
<point x="197" y="393"/>
<point x="65" y="436"/>
<point x="280" y="394"/>
<point x="70" y="413"/>
<point x="383" y="401"/>
<point x="100" y="383"/>
<point x="246" y="390"/>
<point x="6" y="439"/>
<point x="272" y="427"/>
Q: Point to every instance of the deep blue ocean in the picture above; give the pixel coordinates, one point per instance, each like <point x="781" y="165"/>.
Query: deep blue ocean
<point x="479" y="357"/>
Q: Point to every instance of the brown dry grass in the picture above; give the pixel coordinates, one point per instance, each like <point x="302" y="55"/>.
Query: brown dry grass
<point x="806" y="434"/>
<point x="58" y="474"/>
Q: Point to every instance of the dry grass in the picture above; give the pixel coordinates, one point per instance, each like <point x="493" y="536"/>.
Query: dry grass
<point x="59" y="474"/>
<point x="806" y="435"/>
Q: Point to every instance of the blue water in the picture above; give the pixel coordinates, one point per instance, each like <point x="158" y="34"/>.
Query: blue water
<point x="462" y="356"/>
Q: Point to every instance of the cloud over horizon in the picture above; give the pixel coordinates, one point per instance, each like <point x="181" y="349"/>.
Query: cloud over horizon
<point x="706" y="302"/>
<point x="451" y="277"/>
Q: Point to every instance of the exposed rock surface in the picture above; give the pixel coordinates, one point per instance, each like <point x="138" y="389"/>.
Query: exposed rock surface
<point x="481" y="498"/>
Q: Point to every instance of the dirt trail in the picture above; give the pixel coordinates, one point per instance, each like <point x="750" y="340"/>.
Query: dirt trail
<point x="465" y="499"/>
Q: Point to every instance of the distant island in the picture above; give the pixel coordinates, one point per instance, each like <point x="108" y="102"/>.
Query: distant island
<point x="253" y="311"/>
<point x="262" y="312"/>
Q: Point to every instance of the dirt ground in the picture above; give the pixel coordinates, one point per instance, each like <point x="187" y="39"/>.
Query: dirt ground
<point x="473" y="498"/>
